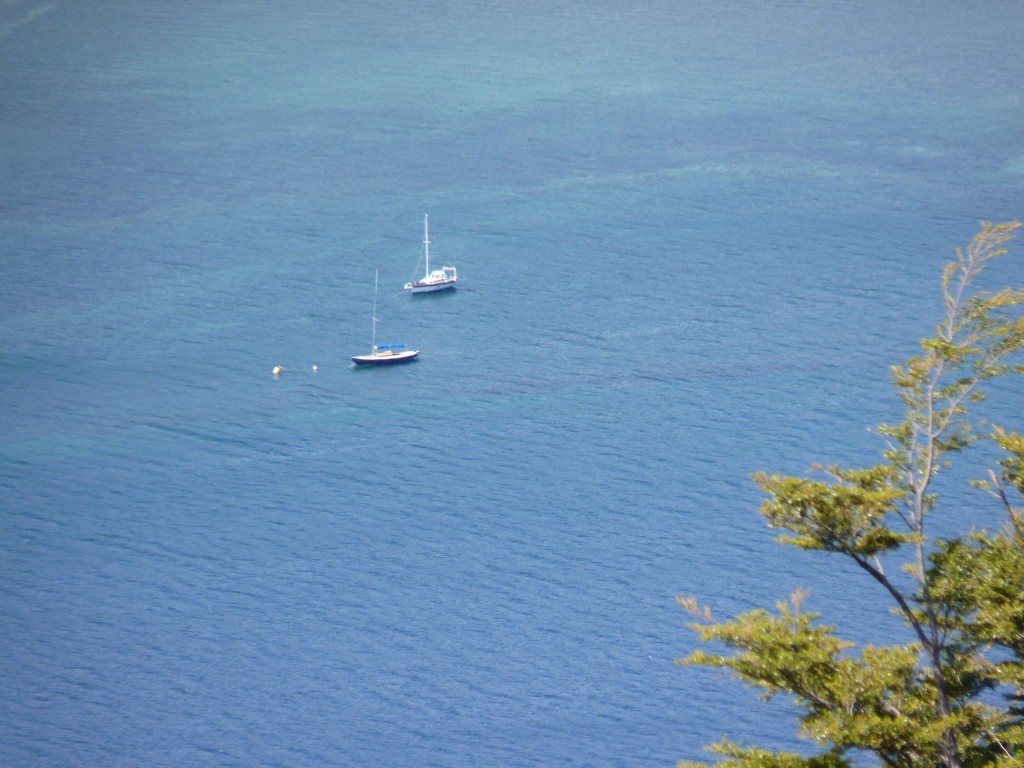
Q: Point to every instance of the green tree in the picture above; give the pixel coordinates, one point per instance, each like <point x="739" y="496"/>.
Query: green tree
<point x="953" y="694"/>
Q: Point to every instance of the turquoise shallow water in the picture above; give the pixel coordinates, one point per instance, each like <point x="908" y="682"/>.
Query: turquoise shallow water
<point x="691" y="239"/>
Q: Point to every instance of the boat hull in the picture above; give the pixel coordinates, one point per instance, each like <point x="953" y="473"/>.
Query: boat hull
<point x="393" y="358"/>
<point x="429" y="287"/>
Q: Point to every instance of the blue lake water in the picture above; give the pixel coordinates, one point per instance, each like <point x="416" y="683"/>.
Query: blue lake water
<point x="691" y="237"/>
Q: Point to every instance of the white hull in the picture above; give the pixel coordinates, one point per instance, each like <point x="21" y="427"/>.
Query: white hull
<point x="429" y="287"/>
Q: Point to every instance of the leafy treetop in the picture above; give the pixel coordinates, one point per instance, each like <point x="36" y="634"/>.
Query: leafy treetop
<point x="919" y="704"/>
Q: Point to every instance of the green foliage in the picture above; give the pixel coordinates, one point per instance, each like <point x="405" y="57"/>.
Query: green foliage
<point x="919" y="704"/>
<point x="847" y="515"/>
<point x="738" y="756"/>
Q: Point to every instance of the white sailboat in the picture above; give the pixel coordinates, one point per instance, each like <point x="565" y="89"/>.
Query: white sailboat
<point x="436" y="280"/>
<point x="383" y="354"/>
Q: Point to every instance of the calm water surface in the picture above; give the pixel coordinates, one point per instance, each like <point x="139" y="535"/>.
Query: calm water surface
<point x="691" y="239"/>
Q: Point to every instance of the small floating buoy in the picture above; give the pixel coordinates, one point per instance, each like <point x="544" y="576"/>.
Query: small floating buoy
<point x="277" y="370"/>
<point x="314" y="369"/>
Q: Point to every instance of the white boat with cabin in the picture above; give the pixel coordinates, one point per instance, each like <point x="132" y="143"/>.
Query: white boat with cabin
<point x="436" y="280"/>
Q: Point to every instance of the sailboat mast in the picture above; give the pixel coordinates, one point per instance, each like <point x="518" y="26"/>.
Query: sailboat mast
<point x="376" y="279"/>
<point x="426" y="245"/>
